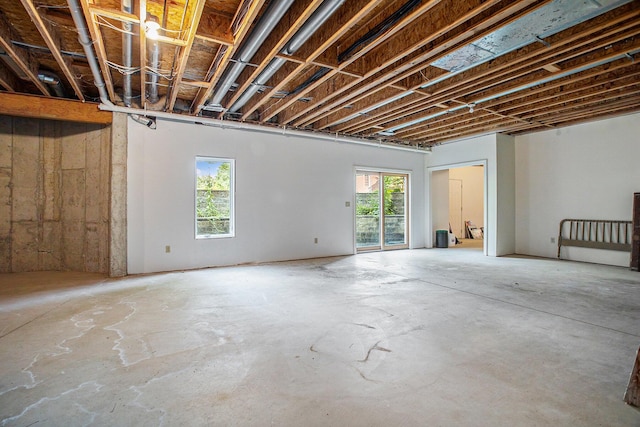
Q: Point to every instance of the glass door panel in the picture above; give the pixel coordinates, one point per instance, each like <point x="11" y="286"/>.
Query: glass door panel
<point x="395" y="224"/>
<point x="367" y="210"/>
<point x="381" y="211"/>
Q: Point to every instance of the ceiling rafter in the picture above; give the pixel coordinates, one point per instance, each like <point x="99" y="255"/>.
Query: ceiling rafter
<point x="360" y="11"/>
<point x="408" y="20"/>
<point x="508" y="124"/>
<point x="440" y="44"/>
<point x="21" y="57"/>
<point x="98" y="46"/>
<point x="485" y="74"/>
<point x="426" y="122"/>
<point x="7" y="80"/>
<point x="577" y="115"/>
<point x="577" y="93"/>
<point x="595" y="73"/>
<point x="283" y="40"/>
<point x="51" y="38"/>
<point x="241" y="33"/>
<point x="412" y="73"/>
<point x="196" y="14"/>
<point x="486" y="79"/>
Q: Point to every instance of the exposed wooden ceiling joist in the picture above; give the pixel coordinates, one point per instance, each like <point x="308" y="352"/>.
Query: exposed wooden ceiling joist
<point x="50" y="37"/>
<point x="387" y="70"/>
<point x="19" y="56"/>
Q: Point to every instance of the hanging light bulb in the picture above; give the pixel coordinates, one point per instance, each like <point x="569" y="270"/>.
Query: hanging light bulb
<point x="151" y="27"/>
<point x="471" y="107"/>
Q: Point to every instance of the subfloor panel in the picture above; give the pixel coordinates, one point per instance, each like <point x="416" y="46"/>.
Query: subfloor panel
<point x="414" y="337"/>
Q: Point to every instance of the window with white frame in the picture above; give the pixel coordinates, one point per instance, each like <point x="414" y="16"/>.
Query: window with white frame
<point x="214" y="197"/>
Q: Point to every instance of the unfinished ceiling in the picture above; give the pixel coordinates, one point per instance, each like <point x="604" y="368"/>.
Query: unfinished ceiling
<point x="409" y="72"/>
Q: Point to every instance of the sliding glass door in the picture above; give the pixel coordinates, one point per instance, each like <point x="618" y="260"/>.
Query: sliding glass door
<point x="381" y="211"/>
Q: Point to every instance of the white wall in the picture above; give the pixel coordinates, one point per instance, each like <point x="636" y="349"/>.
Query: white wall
<point x="289" y="190"/>
<point x="506" y="194"/>
<point x="472" y="178"/>
<point x="440" y="199"/>
<point x="587" y="171"/>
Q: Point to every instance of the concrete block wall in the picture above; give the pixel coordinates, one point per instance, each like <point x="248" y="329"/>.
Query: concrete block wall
<point x="54" y="196"/>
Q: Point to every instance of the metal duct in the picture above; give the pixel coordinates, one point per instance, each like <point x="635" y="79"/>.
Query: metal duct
<point x="267" y="22"/>
<point x="127" y="49"/>
<point x="155" y="64"/>
<point x="534" y="27"/>
<point x="299" y="38"/>
<point x="53" y="81"/>
<point x="85" y="41"/>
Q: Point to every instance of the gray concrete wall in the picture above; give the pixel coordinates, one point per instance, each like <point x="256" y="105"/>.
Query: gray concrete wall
<point x="54" y="195"/>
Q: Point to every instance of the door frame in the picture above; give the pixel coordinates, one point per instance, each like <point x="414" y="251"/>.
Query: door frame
<point x="489" y="233"/>
<point x="408" y="208"/>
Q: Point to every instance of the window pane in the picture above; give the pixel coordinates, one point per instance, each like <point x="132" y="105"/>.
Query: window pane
<point x="394" y="210"/>
<point x="367" y="210"/>
<point x="214" y="197"/>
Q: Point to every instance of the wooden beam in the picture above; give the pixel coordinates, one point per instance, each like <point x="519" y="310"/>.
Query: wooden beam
<point x="400" y="26"/>
<point x="98" y="46"/>
<point x="7" y="79"/>
<point x="466" y="28"/>
<point x="289" y="31"/>
<point x="192" y="26"/>
<point x="520" y="66"/>
<point x="215" y="28"/>
<point x="243" y="30"/>
<point x="360" y="13"/>
<point x="441" y="47"/>
<point x="21" y="57"/>
<point x="38" y="107"/>
<point x="52" y="39"/>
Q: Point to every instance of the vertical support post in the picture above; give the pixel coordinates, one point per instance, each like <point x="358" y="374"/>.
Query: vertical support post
<point x="118" y="202"/>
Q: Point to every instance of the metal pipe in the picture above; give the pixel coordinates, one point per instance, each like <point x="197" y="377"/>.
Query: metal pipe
<point x="265" y="25"/>
<point x="155" y="64"/>
<point x="225" y="124"/>
<point x="127" y="54"/>
<point x="85" y="41"/>
<point x="53" y="81"/>
<point x="318" y="18"/>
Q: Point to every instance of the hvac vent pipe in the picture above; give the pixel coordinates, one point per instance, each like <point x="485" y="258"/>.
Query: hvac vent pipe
<point x="127" y="54"/>
<point x="85" y="41"/>
<point x="300" y="37"/>
<point x="267" y="22"/>
<point x="52" y="79"/>
<point x="155" y="64"/>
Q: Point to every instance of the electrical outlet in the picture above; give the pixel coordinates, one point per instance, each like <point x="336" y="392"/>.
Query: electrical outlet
<point x="347" y="204"/>
<point x="167" y="249"/>
<point x="553" y="240"/>
<point x="315" y="240"/>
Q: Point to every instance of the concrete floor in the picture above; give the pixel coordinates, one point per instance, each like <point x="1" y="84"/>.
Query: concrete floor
<point x="423" y="337"/>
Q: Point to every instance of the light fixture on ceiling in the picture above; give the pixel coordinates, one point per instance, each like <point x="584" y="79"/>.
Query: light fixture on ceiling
<point x="472" y="106"/>
<point x="151" y="27"/>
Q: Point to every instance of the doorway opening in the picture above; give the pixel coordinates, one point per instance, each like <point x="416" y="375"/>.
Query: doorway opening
<point x="466" y="206"/>
<point x="382" y="207"/>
